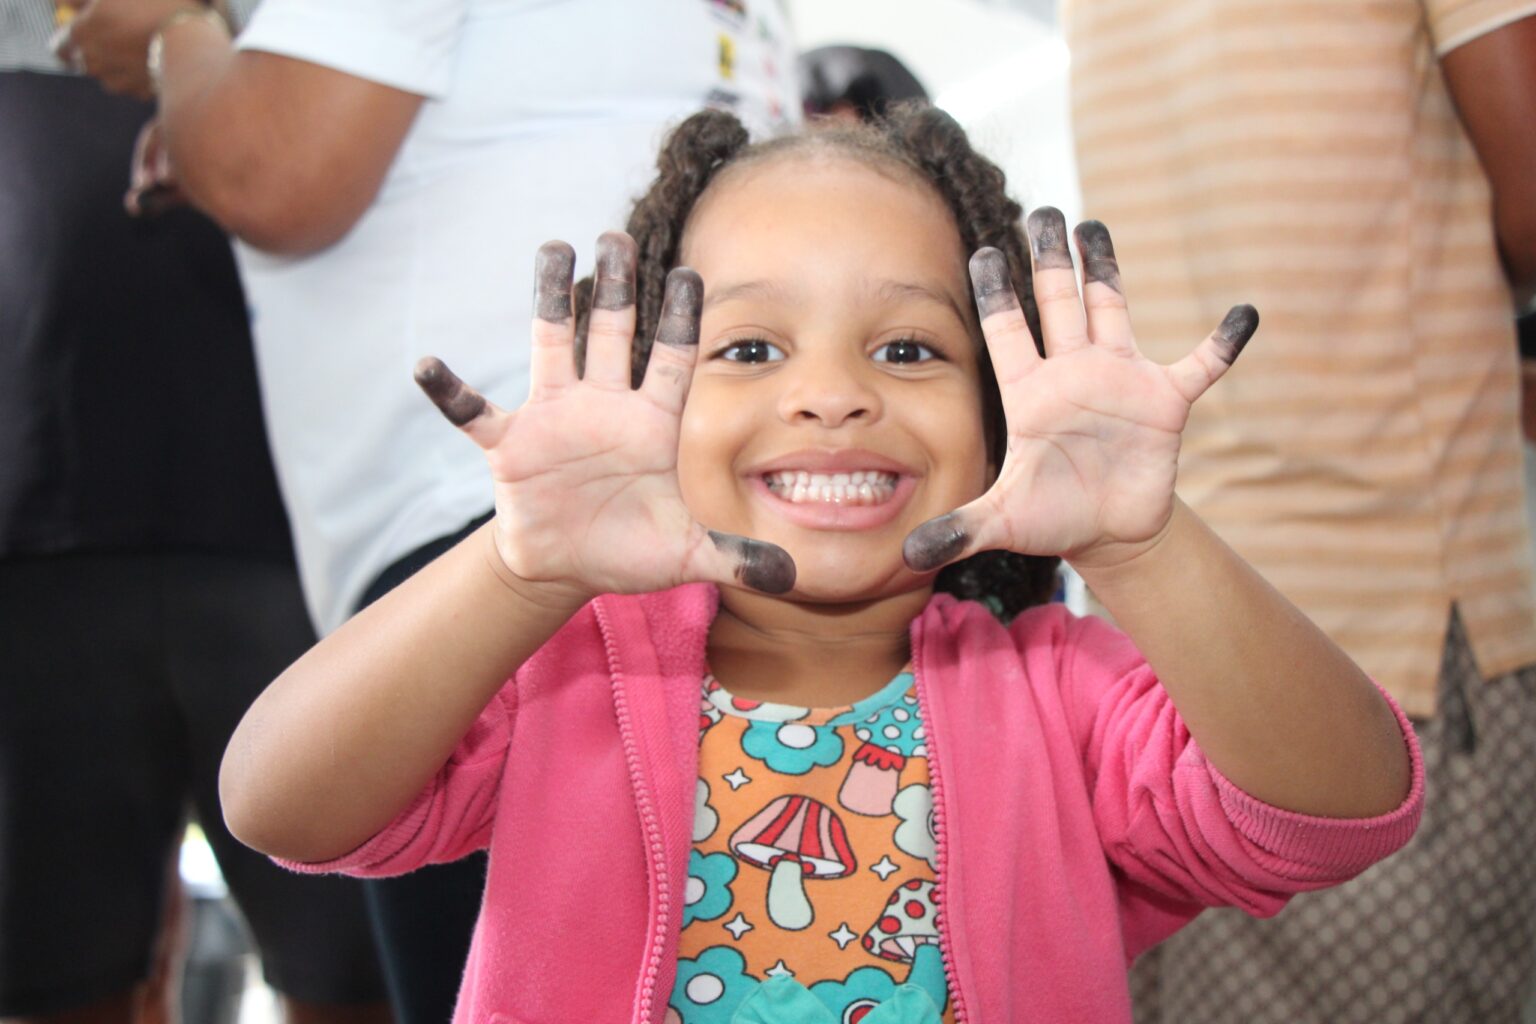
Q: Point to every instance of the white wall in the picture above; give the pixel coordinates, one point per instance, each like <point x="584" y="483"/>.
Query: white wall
<point x="1001" y="73"/>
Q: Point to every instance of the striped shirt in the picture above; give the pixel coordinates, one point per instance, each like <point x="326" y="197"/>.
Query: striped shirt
<point x="1305" y="157"/>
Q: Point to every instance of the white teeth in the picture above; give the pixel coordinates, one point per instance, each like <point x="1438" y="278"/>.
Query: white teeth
<point x="864" y="487"/>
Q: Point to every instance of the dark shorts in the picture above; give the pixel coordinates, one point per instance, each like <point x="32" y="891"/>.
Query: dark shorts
<point x="121" y="679"/>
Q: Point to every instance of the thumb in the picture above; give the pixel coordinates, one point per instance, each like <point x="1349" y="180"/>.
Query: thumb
<point x="733" y="560"/>
<point x="953" y="536"/>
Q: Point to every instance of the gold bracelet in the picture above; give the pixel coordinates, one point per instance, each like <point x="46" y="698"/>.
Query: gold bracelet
<point x="156" y="57"/>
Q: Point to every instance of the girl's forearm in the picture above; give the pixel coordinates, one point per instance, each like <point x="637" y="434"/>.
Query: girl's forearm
<point x="1275" y="705"/>
<point x="344" y="739"/>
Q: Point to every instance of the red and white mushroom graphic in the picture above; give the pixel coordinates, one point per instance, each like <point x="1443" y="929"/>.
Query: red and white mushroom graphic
<point x="794" y="838"/>
<point x="909" y="921"/>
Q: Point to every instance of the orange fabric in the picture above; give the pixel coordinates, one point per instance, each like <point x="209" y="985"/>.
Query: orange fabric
<point x="837" y="796"/>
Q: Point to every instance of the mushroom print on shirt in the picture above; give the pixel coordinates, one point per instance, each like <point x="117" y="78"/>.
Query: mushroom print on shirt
<point x="810" y="893"/>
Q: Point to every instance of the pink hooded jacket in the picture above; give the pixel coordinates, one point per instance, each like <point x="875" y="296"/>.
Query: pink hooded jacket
<point x="1077" y="822"/>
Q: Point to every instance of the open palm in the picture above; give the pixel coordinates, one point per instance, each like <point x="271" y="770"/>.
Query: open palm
<point x="1093" y="426"/>
<point x="585" y="472"/>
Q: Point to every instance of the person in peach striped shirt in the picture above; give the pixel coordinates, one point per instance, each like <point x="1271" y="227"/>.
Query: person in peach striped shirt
<point x="1366" y="175"/>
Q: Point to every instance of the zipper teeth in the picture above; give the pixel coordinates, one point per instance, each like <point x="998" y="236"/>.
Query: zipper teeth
<point x="648" y="824"/>
<point x="940" y="840"/>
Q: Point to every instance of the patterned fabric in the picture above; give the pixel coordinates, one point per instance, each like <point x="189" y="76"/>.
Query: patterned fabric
<point x="1443" y="931"/>
<point x="1364" y="453"/>
<point x="812" y="877"/>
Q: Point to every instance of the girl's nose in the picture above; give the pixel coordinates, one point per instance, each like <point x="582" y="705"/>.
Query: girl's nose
<point x="830" y="395"/>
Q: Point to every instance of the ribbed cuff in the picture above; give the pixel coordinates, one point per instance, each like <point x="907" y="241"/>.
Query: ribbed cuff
<point x="1337" y="847"/>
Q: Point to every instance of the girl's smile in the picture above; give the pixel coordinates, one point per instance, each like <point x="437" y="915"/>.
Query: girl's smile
<point x="837" y="376"/>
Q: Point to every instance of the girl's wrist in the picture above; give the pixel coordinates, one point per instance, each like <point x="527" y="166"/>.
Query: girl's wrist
<point x="1117" y="557"/>
<point x="548" y="594"/>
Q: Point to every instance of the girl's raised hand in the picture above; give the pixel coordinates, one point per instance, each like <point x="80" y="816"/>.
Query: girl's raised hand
<point x="1093" y="426"/>
<point x="586" y="471"/>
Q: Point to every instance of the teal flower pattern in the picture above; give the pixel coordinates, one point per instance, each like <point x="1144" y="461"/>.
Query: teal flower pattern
<point x="792" y="748"/>
<point x="710" y="988"/>
<point x="707" y="894"/>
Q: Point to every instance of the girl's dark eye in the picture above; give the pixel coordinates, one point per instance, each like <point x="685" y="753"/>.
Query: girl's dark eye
<point x="755" y="351"/>
<point x="903" y="352"/>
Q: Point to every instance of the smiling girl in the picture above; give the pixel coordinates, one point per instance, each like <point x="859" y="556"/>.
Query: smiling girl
<point x="750" y="686"/>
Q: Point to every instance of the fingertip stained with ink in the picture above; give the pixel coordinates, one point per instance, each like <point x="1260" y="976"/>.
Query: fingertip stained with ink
<point x="1048" y="239"/>
<point x="553" y="269"/>
<point x="1098" y="252"/>
<point x="1236" y="329"/>
<point x="680" y="308"/>
<point x="455" y="399"/>
<point x="614" y="288"/>
<point x="935" y="543"/>
<point x="992" y="283"/>
<point x="763" y="567"/>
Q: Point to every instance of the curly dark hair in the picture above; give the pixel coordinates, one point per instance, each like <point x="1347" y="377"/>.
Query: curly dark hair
<point x="914" y="139"/>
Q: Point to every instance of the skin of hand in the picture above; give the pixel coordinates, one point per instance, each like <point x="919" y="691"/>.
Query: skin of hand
<point x="1093" y="446"/>
<point x="587" y="502"/>
<point x="585" y="473"/>
<point x="152" y="187"/>
<point x="1492" y="80"/>
<point x="110" y="39"/>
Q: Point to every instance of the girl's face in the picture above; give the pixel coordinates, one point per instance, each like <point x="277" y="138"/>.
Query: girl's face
<point x="836" y="402"/>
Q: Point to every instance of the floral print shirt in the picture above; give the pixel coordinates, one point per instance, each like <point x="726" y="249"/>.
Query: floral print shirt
<point x="811" y="883"/>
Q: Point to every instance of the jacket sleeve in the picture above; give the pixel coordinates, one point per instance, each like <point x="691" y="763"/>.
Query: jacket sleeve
<point x="1178" y="833"/>
<point x="451" y="817"/>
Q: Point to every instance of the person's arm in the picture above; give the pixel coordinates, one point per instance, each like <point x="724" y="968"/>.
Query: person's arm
<point x="283" y="153"/>
<point x="587" y="503"/>
<point x="1492" y="80"/>
<point x="1094" y="431"/>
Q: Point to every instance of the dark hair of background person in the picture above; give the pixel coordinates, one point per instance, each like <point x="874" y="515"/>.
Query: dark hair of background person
<point x="853" y="79"/>
<point x="914" y="139"/>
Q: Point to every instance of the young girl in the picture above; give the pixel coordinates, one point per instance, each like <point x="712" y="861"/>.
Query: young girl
<point x="733" y="756"/>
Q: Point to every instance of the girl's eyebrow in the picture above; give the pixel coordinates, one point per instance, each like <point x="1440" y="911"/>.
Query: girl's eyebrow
<point x="890" y="289"/>
<point x="772" y="291"/>
<point x="885" y="290"/>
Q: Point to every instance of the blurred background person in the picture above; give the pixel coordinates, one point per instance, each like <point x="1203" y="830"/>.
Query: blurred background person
<point x="1356" y="171"/>
<point x="147" y="583"/>
<point x="854" y="82"/>
<point x="390" y="169"/>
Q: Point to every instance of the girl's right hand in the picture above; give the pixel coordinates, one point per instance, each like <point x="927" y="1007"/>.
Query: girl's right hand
<point x="586" y="471"/>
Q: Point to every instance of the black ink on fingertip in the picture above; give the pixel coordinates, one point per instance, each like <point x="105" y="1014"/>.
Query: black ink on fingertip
<point x="1048" y="239"/>
<point x="992" y="283"/>
<point x="935" y="544"/>
<point x="680" y="308"/>
<point x="553" y="269"/>
<point x="1098" y="252"/>
<point x="615" y="285"/>
<point x="455" y="399"/>
<point x="762" y="566"/>
<point x="1235" y="330"/>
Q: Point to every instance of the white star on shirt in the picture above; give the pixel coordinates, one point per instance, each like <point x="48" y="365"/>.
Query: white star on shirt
<point x="842" y="936"/>
<point x="779" y="969"/>
<point x="884" y="868"/>
<point x="737" y="926"/>
<point x="737" y="779"/>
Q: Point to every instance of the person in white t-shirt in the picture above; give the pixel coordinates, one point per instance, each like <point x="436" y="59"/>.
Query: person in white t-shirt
<point x="389" y="170"/>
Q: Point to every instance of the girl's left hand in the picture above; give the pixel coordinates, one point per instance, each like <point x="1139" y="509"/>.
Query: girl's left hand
<point x="1093" y="426"/>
